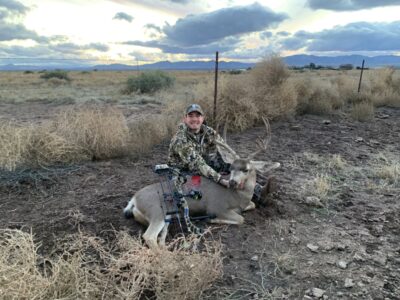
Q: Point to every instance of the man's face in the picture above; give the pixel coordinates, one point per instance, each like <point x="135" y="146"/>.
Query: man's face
<point x="193" y="121"/>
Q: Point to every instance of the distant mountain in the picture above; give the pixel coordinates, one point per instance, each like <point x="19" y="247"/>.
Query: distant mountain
<point x="336" y="61"/>
<point x="294" y="61"/>
<point x="181" y="65"/>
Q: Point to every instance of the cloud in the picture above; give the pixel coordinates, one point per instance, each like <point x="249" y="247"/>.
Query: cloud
<point x="283" y="33"/>
<point x="349" y="5"/>
<point x="266" y="35"/>
<point x="221" y="30"/>
<point x="214" y="26"/>
<point x="10" y="31"/>
<point x="154" y="27"/>
<point x="222" y="46"/>
<point x="14" y="6"/>
<point x="75" y="48"/>
<point x="122" y="16"/>
<point x="178" y="1"/>
<point x="62" y="50"/>
<point x="360" y="36"/>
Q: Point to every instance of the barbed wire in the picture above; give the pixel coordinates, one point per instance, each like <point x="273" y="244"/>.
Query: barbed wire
<point x="34" y="177"/>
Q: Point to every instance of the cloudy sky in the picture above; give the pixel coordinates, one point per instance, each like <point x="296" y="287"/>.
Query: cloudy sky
<point x="131" y="31"/>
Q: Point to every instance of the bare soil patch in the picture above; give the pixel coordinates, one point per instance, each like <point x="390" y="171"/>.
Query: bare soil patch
<point x="348" y="248"/>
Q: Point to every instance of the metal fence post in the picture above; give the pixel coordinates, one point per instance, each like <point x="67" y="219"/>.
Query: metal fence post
<point x="359" y="83"/>
<point x="215" y="87"/>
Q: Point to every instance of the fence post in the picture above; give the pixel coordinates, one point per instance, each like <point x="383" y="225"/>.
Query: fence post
<point x="215" y="87"/>
<point x="359" y="83"/>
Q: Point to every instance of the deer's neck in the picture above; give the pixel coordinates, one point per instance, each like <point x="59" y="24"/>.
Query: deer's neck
<point x="245" y="194"/>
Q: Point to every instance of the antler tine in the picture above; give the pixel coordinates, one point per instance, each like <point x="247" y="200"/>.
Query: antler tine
<point x="229" y="149"/>
<point x="225" y="145"/>
<point x="262" y="144"/>
<point x="225" y="130"/>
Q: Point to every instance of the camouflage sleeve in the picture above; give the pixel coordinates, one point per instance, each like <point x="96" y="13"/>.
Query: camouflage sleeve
<point x="193" y="160"/>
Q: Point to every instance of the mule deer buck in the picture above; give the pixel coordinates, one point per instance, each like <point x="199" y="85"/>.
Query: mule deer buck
<point x="224" y="203"/>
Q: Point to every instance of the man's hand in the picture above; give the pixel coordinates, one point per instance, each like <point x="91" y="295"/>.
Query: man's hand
<point x="224" y="182"/>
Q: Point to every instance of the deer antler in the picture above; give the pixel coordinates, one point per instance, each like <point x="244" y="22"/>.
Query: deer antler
<point x="225" y="145"/>
<point x="262" y="144"/>
<point x="229" y="149"/>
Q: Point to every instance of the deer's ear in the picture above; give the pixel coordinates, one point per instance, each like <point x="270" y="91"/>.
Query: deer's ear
<point x="227" y="156"/>
<point x="264" y="166"/>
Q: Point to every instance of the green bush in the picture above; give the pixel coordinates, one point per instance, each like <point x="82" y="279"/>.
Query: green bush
<point x="235" y="72"/>
<point x="60" y="74"/>
<point x="149" y="82"/>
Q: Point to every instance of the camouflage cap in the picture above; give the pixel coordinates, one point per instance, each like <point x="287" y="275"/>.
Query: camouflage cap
<point x="194" y="107"/>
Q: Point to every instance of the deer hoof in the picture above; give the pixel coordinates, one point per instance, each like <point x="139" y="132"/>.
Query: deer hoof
<point x="271" y="186"/>
<point x="128" y="213"/>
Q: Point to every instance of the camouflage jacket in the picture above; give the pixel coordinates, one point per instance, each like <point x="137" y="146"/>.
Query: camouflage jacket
<point x="195" y="152"/>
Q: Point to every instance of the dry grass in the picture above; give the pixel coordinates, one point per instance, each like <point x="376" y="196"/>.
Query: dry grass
<point x="14" y="145"/>
<point x="80" y="133"/>
<point x="270" y="72"/>
<point x="317" y="97"/>
<point x="236" y="105"/>
<point x="85" y="267"/>
<point x="99" y="132"/>
<point x="385" y="166"/>
<point x="363" y="111"/>
<point x="48" y="147"/>
<point x="274" y="95"/>
<point x="102" y="132"/>
<point x="320" y="186"/>
<point x="145" y="133"/>
<point x="284" y="262"/>
<point x="336" y="162"/>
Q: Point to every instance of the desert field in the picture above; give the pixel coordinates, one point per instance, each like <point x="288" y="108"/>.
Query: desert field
<point x="73" y="151"/>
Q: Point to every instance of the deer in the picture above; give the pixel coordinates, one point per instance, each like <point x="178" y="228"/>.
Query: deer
<point x="225" y="204"/>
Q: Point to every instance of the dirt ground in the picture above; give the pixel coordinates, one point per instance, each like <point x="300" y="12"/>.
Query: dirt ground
<point x="346" y="248"/>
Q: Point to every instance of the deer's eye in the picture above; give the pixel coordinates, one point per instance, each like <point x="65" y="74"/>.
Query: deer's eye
<point x="245" y="171"/>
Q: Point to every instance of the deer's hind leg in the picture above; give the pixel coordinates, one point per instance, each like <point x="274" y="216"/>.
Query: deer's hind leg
<point x="230" y="217"/>
<point x="152" y="232"/>
<point x="163" y="235"/>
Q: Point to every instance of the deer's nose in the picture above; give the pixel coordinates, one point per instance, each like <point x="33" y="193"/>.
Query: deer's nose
<point x="232" y="183"/>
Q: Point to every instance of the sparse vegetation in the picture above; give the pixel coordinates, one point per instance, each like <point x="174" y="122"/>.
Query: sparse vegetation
<point x="363" y="111"/>
<point x="350" y="169"/>
<point x="149" y="82"/>
<point x="320" y="186"/>
<point x="86" y="267"/>
<point x="59" y="74"/>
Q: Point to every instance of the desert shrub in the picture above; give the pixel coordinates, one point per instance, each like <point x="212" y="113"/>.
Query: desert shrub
<point x="148" y="132"/>
<point x="235" y="105"/>
<point x="80" y="133"/>
<point x="316" y="97"/>
<point x="60" y="74"/>
<point x="86" y="267"/>
<point x="276" y="102"/>
<point x="28" y="72"/>
<point x="14" y="145"/>
<point x="149" y="82"/>
<point x="346" y="87"/>
<point x="363" y="111"/>
<point x="35" y="146"/>
<point x="49" y="147"/>
<point x="270" y="72"/>
<point x="235" y="72"/>
<point x="273" y="94"/>
<point x="101" y="131"/>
